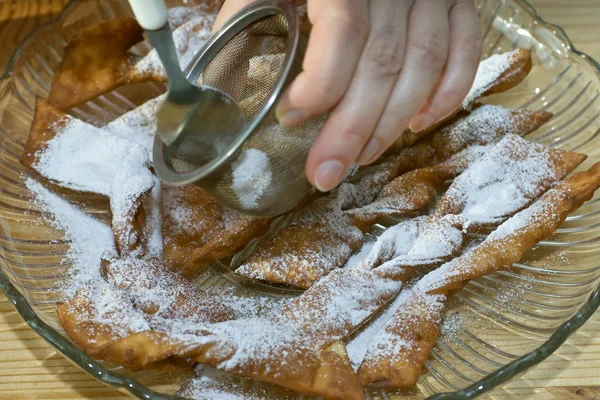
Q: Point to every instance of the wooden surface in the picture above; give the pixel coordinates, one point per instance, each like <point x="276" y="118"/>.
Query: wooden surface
<point x="31" y="369"/>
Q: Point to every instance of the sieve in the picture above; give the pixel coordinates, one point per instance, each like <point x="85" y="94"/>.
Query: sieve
<point x="259" y="169"/>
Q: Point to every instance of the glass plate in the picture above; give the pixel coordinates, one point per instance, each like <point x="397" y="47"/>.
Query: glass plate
<point x="500" y="325"/>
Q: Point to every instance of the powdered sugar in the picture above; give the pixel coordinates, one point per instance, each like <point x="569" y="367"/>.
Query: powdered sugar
<point x="88" y="159"/>
<point x="138" y="125"/>
<point x="488" y="73"/>
<point x="503" y="181"/>
<point x="485" y="125"/>
<point x="358" y="346"/>
<point x="88" y="238"/>
<point x="252" y="177"/>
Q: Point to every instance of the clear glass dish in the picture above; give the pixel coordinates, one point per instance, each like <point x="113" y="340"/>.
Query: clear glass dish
<point x="501" y="324"/>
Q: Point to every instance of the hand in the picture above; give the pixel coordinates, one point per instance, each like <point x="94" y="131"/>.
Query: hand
<point x="378" y="67"/>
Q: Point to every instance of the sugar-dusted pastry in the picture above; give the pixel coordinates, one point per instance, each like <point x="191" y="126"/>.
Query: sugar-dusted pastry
<point x="398" y="353"/>
<point x="304" y="252"/>
<point x="191" y="218"/>
<point x="137" y="125"/>
<point x="506" y="180"/>
<point x="237" y="232"/>
<point x="139" y="295"/>
<point x="94" y="61"/>
<point x="79" y="156"/>
<point x="495" y="74"/>
<point x="99" y="59"/>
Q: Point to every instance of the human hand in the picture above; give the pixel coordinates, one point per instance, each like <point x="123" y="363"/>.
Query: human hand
<point x="377" y="67"/>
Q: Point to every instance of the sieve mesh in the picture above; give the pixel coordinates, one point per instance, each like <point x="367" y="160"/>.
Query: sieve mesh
<point x="267" y="176"/>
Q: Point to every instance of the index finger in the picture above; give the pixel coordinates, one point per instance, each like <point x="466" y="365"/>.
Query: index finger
<point x="339" y="32"/>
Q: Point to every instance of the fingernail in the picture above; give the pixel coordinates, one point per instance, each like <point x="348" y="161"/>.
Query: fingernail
<point x="420" y="122"/>
<point x="329" y="175"/>
<point x="369" y="152"/>
<point x="290" y="118"/>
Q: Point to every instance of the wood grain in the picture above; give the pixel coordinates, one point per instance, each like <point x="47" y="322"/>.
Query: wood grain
<point x="31" y="369"/>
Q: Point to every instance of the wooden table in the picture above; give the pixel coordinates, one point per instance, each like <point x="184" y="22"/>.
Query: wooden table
<point x="31" y="369"/>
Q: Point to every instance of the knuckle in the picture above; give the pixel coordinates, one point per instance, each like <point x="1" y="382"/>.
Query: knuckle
<point x="384" y="53"/>
<point x="323" y="95"/>
<point x="355" y="135"/>
<point x="431" y="47"/>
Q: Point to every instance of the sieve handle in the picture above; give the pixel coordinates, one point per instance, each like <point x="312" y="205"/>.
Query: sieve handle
<point x="150" y="14"/>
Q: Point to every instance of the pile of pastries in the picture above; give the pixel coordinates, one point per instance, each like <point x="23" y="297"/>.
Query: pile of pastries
<point x="131" y="300"/>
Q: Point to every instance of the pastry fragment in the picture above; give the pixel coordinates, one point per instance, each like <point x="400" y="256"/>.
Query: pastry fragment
<point x="79" y="156"/>
<point x="398" y="353"/>
<point x="94" y="61"/>
<point x="495" y="74"/>
<point x="416" y="189"/>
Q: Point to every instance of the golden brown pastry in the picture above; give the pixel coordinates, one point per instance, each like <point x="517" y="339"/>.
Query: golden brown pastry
<point x="81" y="157"/>
<point x="398" y="353"/>
<point x="94" y="61"/>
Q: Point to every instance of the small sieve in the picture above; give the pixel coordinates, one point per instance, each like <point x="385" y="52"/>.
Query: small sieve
<point x="252" y="58"/>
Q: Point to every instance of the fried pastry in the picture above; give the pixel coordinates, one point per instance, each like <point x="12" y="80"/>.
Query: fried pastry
<point x="495" y="74"/>
<point x="305" y="251"/>
<point x="79" y="156"/>
<point x="139" y="295"/>
<point x="94" y="61"/>
<point x="99" y="59"/>
<point x="506" y="180"/>
<point x="191" y="217"/>
<point x="289" y="257"/>
<point x="398" y="353"/>
<point x="239" y="230"/>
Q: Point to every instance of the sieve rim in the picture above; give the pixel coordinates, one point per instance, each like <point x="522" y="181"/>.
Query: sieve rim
<point x="237" y="23"/>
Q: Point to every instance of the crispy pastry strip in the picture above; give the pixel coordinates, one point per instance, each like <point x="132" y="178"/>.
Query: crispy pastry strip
<point x="398" y="353"/>
<point x="236" y="234"/>
<point x="94" y="61"/>
<point x="99" y="59"/>
<point x="496" y="74"/>
<point x="138" y="295"/>
<point x="66" y="151"/>
<point x="341" y="302"/>
<point x="191" y="217"/>
<point x="304" y="252"/>
<point x="291" y="257"/>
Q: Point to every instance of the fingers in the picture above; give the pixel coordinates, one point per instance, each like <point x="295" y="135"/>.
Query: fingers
<point x="426" y="55"/>
<point x="460" y="70"/>
<point x="339" y="32"/>
<point x="350" y="125"/>
<point x="229" y="8"/>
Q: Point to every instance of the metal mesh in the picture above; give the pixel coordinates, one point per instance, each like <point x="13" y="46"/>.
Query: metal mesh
<point x="248" y="68"/>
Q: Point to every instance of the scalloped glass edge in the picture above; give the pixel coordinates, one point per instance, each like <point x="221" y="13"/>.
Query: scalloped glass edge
<point x="132" y="386"/>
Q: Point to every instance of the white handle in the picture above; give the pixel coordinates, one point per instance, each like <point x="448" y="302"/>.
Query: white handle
<point x="151" y="14"/>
